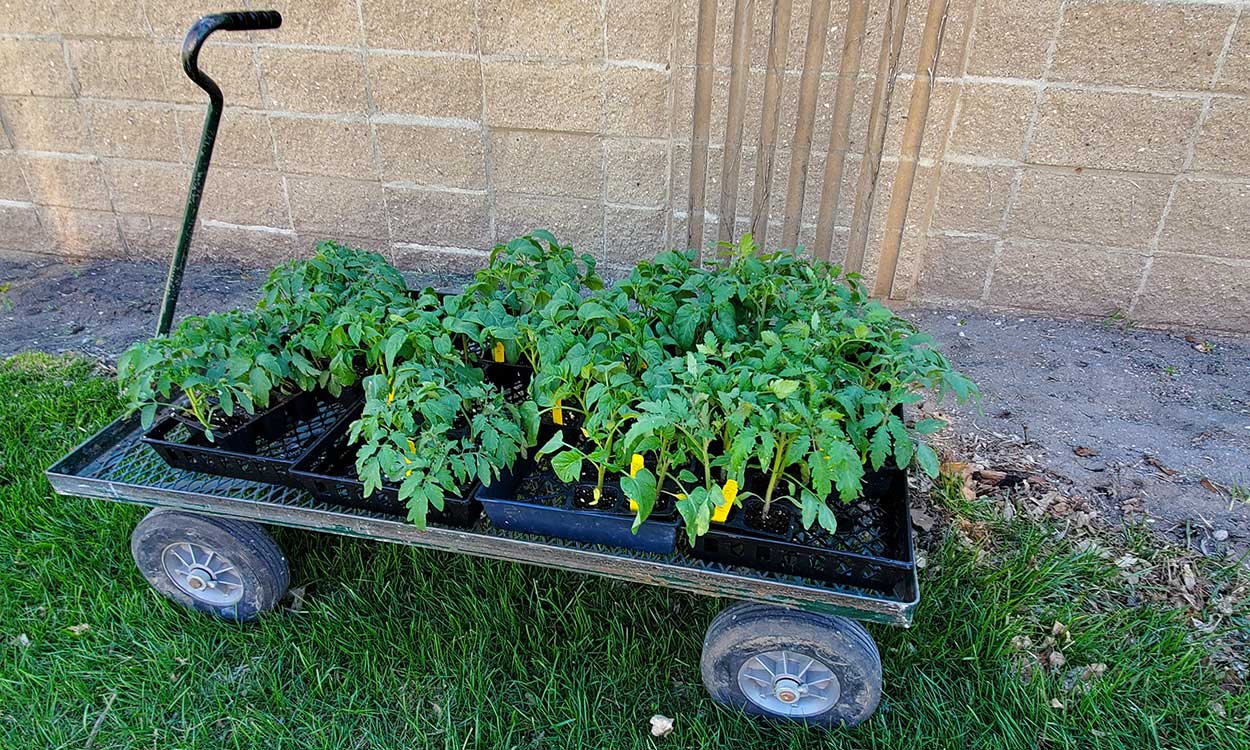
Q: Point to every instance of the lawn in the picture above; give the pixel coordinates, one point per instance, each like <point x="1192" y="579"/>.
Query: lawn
<point x="397" y="647"/>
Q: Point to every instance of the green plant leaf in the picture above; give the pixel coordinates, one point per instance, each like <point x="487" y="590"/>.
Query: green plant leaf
<point x="783" y="389"/>
<point x="927" y="460"/>
<point x="567" y="465"/>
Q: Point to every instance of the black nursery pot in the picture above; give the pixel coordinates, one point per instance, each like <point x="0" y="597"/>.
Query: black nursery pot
<point x="871" y="548"/>
<point x="328" y="472"/>
<point x="564" y="511"/>
<point x="262" y="447"/>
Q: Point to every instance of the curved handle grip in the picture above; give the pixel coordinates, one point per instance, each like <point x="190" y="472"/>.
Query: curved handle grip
<point x="201" y="29"/>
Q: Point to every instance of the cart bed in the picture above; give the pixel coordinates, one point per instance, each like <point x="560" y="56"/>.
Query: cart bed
<point x="115" y="465"/>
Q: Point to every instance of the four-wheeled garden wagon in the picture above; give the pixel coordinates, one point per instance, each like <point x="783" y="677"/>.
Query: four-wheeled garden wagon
<point x="790" y="647"/>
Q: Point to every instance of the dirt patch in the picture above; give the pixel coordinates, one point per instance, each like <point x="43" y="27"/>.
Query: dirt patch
<point x="99" y="308"/>
<point x="1140" y="424"/>
<point x="1126" y="423"/>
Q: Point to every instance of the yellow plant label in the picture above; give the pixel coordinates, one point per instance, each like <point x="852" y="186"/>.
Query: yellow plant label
<point x="557" y="415"/>
<point x="391" y="396"/>
<point x="412" y="447"/>
<point x="721" y="512"/>
<point x="498" y="351"/>
<point x="598" y="495"/>
<point x="635" y="466"/>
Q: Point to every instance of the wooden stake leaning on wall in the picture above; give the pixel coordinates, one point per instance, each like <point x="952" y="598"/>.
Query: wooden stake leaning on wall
<point x="870" y="164"/>
<point x="740" y="71"/>
<point x="801" y="151"/>
<point x="701" y="125"/>
<point x="840" y="137"/>
<point x="766" y="154"/>
<point x="909" y="154"/>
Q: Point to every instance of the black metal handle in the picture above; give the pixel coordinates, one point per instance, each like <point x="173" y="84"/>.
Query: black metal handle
<point x="201" y="29"/>
<point x="196" y="36"/>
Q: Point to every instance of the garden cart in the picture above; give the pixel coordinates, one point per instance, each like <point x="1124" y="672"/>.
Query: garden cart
<point x="791" y="646"/>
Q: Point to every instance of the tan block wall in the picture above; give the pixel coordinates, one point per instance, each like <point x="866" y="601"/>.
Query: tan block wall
<point x="1080" y="156"/>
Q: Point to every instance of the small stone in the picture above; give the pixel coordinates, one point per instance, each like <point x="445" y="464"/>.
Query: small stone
<point x="1220" y="535"/>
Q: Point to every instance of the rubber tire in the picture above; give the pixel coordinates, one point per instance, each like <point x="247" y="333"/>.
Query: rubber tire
<point x="259" y="560"/>
<point x="745" y="629"/>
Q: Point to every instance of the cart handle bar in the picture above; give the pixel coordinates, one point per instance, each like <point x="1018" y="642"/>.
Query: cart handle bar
<point x="196" y="36"/>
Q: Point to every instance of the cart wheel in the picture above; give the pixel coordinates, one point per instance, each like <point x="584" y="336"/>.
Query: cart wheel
<point x="222" y="567"/>
<point x="817" y="669"/>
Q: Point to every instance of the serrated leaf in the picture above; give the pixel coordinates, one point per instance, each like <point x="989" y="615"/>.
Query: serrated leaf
<point x="879" y="447"/>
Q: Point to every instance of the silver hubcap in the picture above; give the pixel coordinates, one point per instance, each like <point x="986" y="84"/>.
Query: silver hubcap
<point x="789" y="684"/>
<point x="202" y="573"/>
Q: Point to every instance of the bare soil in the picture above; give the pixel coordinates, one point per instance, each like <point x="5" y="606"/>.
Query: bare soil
<point x="1145" y="425"/>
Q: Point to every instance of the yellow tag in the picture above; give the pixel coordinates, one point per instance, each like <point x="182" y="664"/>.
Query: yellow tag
<point x="498" y="351"/>
<point x="412" y="447"/>
<point x="407" y="460"/>
<point x="408" y="473"/>
<point x="635" y="465"/>
<point x="721" y="512"/>
<point x="681" y="496"/>
<point x="557" y="416"/>
<point x="391" y="397"/>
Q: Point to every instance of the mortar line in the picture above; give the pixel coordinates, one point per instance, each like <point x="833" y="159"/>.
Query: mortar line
<point x="371" y="105"/>
<point x="603" y="143"/>
<point x="262" y="85"/>
<point x="1026" y="142"/>
<point x="671" y="101"/>
<point x="88" y="126"/>
<point x="1190" y="149"/>
<point x="488" y="155"/>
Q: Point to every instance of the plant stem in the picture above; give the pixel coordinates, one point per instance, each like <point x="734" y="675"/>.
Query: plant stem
<point x="774" y="475"/>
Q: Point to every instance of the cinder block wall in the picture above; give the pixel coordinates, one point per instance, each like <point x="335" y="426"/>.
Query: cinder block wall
<point x="1080" y="156"/>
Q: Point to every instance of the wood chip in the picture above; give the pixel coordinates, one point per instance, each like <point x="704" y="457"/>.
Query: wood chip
<point x="1084" y="452"/>
<point x="1209" y="486"/>
<point x="1159" y="465"/>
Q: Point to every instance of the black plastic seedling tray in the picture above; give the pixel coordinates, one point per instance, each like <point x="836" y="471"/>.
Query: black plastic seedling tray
<point x="557" y="512"/>
<point x="328" y="472"/>
<point x="871" y="548"/>
<point x="262" y="448"/>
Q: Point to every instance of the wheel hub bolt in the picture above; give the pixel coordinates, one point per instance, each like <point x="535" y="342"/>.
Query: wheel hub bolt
<point x="786" y="690"/>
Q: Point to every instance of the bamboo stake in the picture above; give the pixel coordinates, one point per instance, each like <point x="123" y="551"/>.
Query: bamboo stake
<point x="913" y="136"/>
<point x="870" y="165"/>
<point x="766" y="154"/>
<point x="801" y="151"/>
<point x="840" y="137"/>
<point x="705" y="43"/>
<point x="740" y="62"/>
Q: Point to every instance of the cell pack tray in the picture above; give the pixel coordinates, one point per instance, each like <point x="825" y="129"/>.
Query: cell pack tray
<point x="116" y="465"/>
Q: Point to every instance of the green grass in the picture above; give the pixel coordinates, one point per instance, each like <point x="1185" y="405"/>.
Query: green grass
<point x="400" y="647"/>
